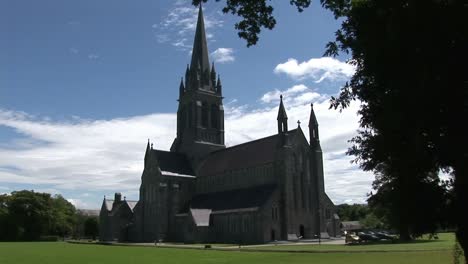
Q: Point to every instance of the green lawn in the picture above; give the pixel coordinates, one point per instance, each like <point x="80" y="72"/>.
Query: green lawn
<point x="65" y="253"/>
<point x="446" y="241"/>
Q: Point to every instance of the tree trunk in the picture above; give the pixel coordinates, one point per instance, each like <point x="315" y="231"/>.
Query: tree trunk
<point x="404" y="235"/>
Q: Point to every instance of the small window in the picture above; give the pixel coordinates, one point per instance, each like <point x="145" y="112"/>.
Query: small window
<point x="175" y="186"/>
<point x="162" y="184"/>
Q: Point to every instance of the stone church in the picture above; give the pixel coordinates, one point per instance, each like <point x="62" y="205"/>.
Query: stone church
<point x="202" y="191"/>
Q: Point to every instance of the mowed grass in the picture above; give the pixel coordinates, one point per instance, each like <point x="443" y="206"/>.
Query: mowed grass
<point x="446" y="241"/>
<point x="65" y="253"/>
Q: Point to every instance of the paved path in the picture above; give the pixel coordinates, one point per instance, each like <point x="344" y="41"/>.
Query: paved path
<point x="335" y="241"/>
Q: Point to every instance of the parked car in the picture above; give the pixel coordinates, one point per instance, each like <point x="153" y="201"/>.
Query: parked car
<point x="352" y="238"/>
<point x="385" y="235"/>
<point x="367" y="236"/>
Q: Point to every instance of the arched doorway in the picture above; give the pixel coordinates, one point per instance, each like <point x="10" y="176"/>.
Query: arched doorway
<point x="273" y="238"/>
<point x="301" y="231"/>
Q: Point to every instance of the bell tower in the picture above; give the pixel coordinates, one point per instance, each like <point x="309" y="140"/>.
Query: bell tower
<point x="200" y="115"/>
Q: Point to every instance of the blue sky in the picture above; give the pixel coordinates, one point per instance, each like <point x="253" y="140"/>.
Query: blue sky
<point x="84" y="84"/>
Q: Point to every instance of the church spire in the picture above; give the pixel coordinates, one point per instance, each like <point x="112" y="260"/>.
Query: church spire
<point x="181" y="88"/>
<point x="313" y="124"/>
<point x="147" y="152"/>
<point x="213" y="75"/>
<point x="282" y="118"/>
<point x="313" y="128"/>
<point x="200" y="59"/>
<point x="219" y="86"/>
<point x="187" y="76"/>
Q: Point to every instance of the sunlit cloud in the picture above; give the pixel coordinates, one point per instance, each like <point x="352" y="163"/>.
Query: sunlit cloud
<point x="223" y="55"/>
<point x="178" y="25"/>
<point x="93" y="56"/>
<point x="316" y="69"/>
<point x="100" y="157"/>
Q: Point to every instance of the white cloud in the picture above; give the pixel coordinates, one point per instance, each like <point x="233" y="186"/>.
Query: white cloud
<point x="317" y="69"/>
<point x="104" y="156"/>
<point x="74" y="23"/>
<point x="78" y="203"/>
<point x="223" y="55"/>
<point x="178" y="26"/>
<point x="93" y="56"/>
<point x="73" y="50"/>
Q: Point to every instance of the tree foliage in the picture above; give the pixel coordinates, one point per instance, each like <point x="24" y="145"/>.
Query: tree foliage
<point x="362" y="213"/>
<point x="411" y="78"/>
<point x="91" y="227"/>
<point x="28" y="215"/>
<point x="64" y="214"/>
<point x="413" y="208"/>
<point x="352" y="212"/>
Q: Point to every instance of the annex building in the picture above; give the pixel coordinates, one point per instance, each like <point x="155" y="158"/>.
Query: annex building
<point x="202" y="191"/>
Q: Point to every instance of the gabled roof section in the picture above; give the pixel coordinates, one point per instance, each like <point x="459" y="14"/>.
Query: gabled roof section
<point x="108" y="204"/>
<point x="201" y="217"/>
<point x="131" y="204"/>
<point x="245" y="155"/>
<point x="174" y="162"/>
<point x="200" y="48"/>
<point x="234" y="199"/>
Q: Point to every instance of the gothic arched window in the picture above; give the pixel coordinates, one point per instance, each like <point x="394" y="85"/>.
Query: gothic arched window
<point x="183" y="119"/>
<point x="214" y="115"/>
<point x="189" y="114"/>
<point x="204" y="114"/>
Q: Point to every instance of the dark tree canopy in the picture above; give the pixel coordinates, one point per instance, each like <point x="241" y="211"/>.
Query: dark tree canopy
<point x="27" y="215"/>
<point x="352" y="212"/>
<point x="411" y="78"/>
<point x="362" y="213"/>
<point x="91" y="227"/>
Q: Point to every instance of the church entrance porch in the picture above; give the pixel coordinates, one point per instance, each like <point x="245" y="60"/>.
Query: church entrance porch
<point x="301" y="231"/>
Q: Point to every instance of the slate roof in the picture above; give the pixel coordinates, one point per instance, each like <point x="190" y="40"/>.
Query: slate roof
<point x="88" y="212"/>
<point x="109" y="204"/>
<point x="233" y="199"/>
<point x="173" y="162"/>
<point x="351" y="225"/>
<point x="245" y="155"/>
